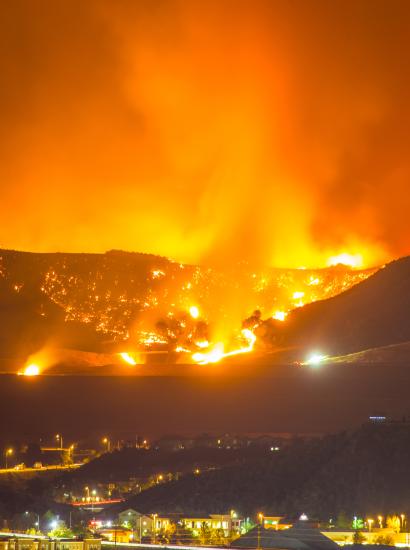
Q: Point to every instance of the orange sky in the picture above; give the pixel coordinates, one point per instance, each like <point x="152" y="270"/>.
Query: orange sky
<point x="274" y="131"/>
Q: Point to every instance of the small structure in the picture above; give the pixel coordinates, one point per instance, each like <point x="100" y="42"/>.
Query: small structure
<point x="116" y="533"/>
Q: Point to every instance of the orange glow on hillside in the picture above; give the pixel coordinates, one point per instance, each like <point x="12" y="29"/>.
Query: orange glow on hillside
<point x="351" y="260"/>
<point x="128" y="358"/>
<point x="31" y="370"/>
<point x="217" y="353"/>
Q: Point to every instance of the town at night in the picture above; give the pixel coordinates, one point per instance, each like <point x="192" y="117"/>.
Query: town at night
<point x="204" y="274"/>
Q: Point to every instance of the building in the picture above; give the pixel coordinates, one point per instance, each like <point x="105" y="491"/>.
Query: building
<point x="116" y="534"/>
<point x="276" y="522"/>
<point x="227" y="522"/>
<point x="31" y="543"/>
<point x="141" y="524"/>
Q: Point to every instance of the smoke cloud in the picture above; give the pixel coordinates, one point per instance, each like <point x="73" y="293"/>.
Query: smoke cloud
<point x="217" y="131"/>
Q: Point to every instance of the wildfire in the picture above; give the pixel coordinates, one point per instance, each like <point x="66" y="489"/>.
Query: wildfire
<point x="351" y="260"/>
<point x="218" y="351"/>
<point x="30" y="370"/>
<point x="128" y="358"/>
<point x="279" y="315"/>
<point x="194" y="312"/>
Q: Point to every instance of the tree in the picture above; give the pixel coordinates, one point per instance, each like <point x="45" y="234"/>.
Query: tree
<point x="393" y="522"/>
<point x="342" y="521"/>
<point x="386" y="540"/>
<point x="358" y="537"/>
<point x="61" y="532"/>
<point x="218" y="537"/>
<point x="205" y="534"/>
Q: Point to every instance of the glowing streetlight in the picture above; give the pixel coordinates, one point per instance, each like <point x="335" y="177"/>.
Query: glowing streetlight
<point x="107" y="443"/>
<point x="402" y="517"/>
<point x="59" y="439"/>
<point x="8" y="452"/>
<point x="369" y="523"/>
<point x="260" y="524"/>
<point x="380" y="520"/>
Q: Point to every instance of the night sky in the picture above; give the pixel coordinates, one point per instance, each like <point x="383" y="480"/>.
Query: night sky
<point x="206" y="131"/>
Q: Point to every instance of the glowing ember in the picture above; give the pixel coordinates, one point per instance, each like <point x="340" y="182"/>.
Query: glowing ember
<point x="202" y="344"/>
<point x="351" y="260"/>
<point x="128" y="358"/>
<point x="31" y="370"/>
<point x="298" y="295"/>
<point x="194" y="312"/>
<point x="279" y="315"/>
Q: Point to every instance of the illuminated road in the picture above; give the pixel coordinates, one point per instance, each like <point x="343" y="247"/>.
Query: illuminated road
<point x="42" y="469"/>
<point x="162" y="546"/>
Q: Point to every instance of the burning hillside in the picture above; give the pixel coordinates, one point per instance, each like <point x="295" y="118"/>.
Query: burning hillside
<point x="139" y="302"/>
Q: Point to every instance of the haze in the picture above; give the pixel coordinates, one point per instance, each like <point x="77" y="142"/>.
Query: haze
<point x="217" y="131"/>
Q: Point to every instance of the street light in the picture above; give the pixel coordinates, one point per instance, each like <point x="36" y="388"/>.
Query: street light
<point x="260" y="517"/>
<point x="369" y="523"/>
<point x="403" y="517"/>
<point x="380" y="520"/>
<point x="60" y="439"/>
<point x="8" y="452"/>
<point x="107" y="443"/>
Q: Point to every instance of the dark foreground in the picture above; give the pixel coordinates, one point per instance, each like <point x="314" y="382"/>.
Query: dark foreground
<point x="272" y="399"/>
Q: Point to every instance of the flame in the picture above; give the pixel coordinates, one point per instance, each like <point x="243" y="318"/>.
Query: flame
<point x="351" y="260"/>
<point x="128" y="358"/>
<point x="30" y="370"/>
<point x="279" y="315"/>
<point x="202" y="344"/>
<point x="217" y="352"/>
<point x="194" y="312"/>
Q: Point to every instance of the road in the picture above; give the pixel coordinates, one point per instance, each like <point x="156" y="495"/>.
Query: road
<point x="42" y="469"/>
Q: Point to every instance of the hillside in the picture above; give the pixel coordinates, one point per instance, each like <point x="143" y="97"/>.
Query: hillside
<point x="94" y="302"/>
<point x="373" y="314"/>
<point x="365" y="472"/>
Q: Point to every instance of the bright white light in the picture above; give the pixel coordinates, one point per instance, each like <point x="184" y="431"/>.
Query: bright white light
<point x="279" y="315"/>
<point x="53" y="524"/>
<point x="351" y="260"/>
<point x="31" y="370"/>
<point x="194" y="312"/>
<point x="315" y="359"/>
<point x="303" y="517"/>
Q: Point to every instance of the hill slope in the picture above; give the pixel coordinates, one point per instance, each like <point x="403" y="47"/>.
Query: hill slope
<point x="371" y="314"/>
<point x="364" y="472"/>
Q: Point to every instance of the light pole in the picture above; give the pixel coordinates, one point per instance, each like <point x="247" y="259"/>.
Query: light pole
<point x="155" y="527"/>
<point x="60" y="439"/>
<point x="8" y="452"/>
<point x="369" y="522"/>
<point x="107" y="443"/>
<point x="260" y="517"/>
